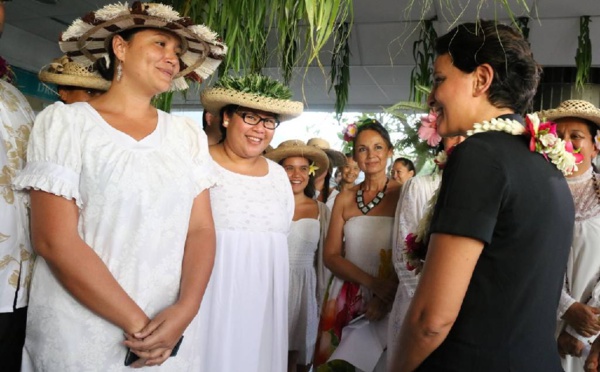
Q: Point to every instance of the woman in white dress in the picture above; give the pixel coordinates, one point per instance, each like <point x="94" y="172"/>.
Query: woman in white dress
<point x="364" y="282"/>
<point x="578" y="122"/>
<point x="302" y="164"/>
<point x="121" y="215"/>
<point x="243" y="320"/>
<point x="350" y="172"/>
<point x="324" y="193"/>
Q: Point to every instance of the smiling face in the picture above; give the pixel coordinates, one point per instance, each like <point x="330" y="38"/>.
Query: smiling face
<point x="245" y="140"/>
<point x="297" y="169"/>
<point x="350" y="171"/>
<point x="150" y="59"/>
<point x="401" y="173"/>
<point x="578" y="132"/>
<point x="371" y="152"/>
<point x="452" y="97"/>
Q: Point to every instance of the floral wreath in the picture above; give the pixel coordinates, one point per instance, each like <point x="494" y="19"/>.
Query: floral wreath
<point x="348" y="134"/>
<point x="543" y="140"/>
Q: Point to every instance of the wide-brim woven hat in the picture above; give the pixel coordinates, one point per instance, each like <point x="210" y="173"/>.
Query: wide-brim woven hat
<point x="573" y="108"/>
<point x="88" y="38"/>
<point x="337" y="157"/>
<point x="214" y="99"/>
<point x="294" y="148"/>
<point x="63" y="71"/>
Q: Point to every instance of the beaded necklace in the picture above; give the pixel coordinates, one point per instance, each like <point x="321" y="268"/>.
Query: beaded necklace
<point x="360" y="201"/>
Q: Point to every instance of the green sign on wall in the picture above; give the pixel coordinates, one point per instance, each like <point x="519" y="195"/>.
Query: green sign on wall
<point x="29" y="84"/>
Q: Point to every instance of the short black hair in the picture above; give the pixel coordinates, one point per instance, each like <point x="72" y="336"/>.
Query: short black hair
<point x="407" y="163"/>
<point x="516" y="73"/>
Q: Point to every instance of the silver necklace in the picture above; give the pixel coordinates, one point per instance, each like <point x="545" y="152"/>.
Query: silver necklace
<point x="360" y="201"/>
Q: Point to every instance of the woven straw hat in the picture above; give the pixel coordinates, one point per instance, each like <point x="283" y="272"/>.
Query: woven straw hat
<point x="298" y="148"/>
<point x="217" y="97"/>
<point x="63" y="71"/>
<point x="573" y="108"/>
<point x="337" y="158"/>
<point x="88" y="38"/>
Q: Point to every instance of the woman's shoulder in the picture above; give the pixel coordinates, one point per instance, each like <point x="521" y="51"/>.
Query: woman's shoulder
<point x="275" y="170"/>
<point x="182" y="124"/>
<point x="59" y="116"/>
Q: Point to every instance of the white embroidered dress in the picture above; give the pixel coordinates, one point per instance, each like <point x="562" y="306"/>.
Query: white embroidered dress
<point x="244" y="314"/>
<point x="412" y="205"/>
<point x="16" y="257"/>
<point x="583" y="266"/>
<point x="135" y="200"/>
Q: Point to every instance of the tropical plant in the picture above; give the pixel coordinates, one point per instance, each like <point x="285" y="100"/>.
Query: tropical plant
<point x="302" y="28"/>
<point x="407" y="115"/>
<point x="255" y="84"/>
<point x="424" y="54"/>
<point x="583" y="56"/>
<point x="451" y="10"/>
<point x="340" y="68"/>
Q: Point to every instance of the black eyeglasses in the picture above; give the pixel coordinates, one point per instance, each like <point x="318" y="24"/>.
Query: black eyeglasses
<point x="253" y="119"/>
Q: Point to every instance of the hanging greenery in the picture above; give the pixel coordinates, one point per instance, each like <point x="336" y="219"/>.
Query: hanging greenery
<point x="302" y="28"/>
<point x="424" y="55"/>
<point x="289" y="30"/>
<point x="451" y="11"/>
<point x="340" y="68"/>
<point x="583" y="57"/>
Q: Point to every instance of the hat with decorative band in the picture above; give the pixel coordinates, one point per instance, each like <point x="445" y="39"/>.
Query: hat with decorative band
<point x="573" y="108"/>
<point x="293" y="148"/>
<point x="252" y="91"/>
<point x="88" y="38"/>
<point x="64" y="71"/>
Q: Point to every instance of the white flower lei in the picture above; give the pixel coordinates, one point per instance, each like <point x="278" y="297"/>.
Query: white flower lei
<point x="544" y="141"/>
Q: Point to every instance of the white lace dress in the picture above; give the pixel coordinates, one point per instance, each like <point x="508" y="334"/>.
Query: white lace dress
<point x="305" y="241"/>
<point x="583" y="266"/>
<point x="412" y="204"/>
<point x="244" y="313"/>
<point x="135" y="200"/>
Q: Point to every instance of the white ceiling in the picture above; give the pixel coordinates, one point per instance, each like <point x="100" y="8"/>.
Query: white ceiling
<point x="381" y="42"/>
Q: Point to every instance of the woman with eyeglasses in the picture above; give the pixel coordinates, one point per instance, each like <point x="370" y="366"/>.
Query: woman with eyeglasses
<point x="244" y="316"/>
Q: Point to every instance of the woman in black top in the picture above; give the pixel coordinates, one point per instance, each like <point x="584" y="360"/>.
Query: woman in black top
<point x="501" y="227"/>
